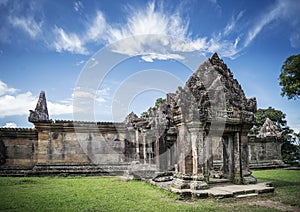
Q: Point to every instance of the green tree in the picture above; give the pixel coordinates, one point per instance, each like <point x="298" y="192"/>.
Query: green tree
<point x="159" y="101"/>
<point x="290" y="77"/>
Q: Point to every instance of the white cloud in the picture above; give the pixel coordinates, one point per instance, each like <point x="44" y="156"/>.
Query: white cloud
<point x="154" y="32"/>
<point x="231" y="25"/>
<point x="79" y="63"/>
<point x="97" y="28"/>
<point x="78" y="5"/>
<point x="295" y="40"/>
<point x="17" y="104"/>
<point x="152" y="56"/>
<point x="10" y="125"/>
<point x="99" y="96"/>
<point x="287" y="11"/>
<point x="5" y="90"/>
<point x="68" y="42"/>
<point x="13" y="103"/>
<point x="59" y="109"/>
<point x="27" y="24"/>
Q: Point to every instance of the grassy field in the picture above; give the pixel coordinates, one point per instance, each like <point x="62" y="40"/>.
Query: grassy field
<point x="286" y="183"/>
<point x="112" y="194"/>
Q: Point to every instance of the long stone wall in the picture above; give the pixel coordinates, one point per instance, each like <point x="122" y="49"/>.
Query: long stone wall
<point x="19" y="146"/>
<point x="80" y="142"/>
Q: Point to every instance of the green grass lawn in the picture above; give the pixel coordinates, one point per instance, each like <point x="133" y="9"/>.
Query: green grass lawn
<point x="113" y="194"/>
<point x="286" y="183"/>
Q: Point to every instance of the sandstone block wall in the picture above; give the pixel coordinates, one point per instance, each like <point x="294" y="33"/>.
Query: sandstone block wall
<point x="19" y="145"/>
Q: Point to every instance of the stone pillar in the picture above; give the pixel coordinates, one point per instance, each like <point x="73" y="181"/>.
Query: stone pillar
<point x="237" y="159"/>
<point x="180" y="149"/>
<point x="247" y="178"/>
<point x="201" y="153"/>
<point x="144" y="147"/>
<point x="205" y="158"/>
<point x="129" y="154"/>
<point x="137" y="145"/>
<point x="194" y="135"/>
<point x="209" y="153"/>
<point x="157" y="153"/>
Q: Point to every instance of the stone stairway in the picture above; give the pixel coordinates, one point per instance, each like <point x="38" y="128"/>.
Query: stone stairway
<point x="268" y="164"/>
<point x="66" y="169"/>
<point x="14" y="171"/>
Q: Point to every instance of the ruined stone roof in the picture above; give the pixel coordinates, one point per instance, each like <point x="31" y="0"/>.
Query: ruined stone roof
<point x="214" y="91"/>
<point x="130" y="118"/>
<point x="269" y="129"/>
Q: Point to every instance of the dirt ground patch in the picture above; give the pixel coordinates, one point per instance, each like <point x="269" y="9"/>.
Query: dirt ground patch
<point x="275" y="205"/>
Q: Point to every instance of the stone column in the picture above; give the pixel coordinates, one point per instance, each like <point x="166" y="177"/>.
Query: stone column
<point x="209" y="153"/>
<point x="201" y="153"/>
<point x="137" y="145"/>
<point x="129" y="154"/>
<point x="144" y="147"/>
<point x="181" y="148"/>
<point x="237" y="159"/>
<point x="194" y="129"/>
<point x="157" y="153"/>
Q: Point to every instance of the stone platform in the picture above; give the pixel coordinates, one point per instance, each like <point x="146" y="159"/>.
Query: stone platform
<point x="220" y="190"/>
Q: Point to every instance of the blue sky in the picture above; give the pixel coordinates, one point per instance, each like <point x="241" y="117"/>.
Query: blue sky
<point x="48" y="45"/>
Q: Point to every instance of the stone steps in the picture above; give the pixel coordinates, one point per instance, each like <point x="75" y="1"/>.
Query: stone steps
<point x="267" y="164"/>
<point x="66" y="169"/>
<point x="247" y="195"/>
<point x="226" y="191"/>
<point x="14" y="171"/>
<point x="75" y="169"/>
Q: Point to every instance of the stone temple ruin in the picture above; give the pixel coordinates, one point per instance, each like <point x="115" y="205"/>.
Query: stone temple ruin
<point x="198" y="136"/>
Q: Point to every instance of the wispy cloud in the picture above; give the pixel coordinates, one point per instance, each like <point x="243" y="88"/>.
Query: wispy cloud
<point x="263" y="21"/>
<point x="96" y="30"/>
<point x="159" y="34"/>
<point x="29" y="20"/>
<point x="231" y="25"/>
<point x="287" y="11"/>
<point x="155" y="19"/>
<point x="68" y="42"/>
<point x="78" y="6"/>
<point x="27" y="24"/>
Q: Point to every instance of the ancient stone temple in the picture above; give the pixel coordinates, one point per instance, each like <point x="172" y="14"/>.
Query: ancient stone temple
<point x="198" y="135"/>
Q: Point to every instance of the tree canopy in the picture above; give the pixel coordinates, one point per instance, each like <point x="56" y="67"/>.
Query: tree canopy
<point x="158" y="102"/>
<point x="290" y="77"/>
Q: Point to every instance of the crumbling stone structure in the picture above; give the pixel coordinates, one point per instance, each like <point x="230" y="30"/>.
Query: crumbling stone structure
<point x="199" y="134"/>
<point x="265" y="148"/>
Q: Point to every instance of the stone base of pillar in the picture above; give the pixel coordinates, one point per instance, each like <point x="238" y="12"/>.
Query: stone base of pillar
<point x="192" y="184"/>
<point x="237" y="179"/>
<point x="249" y="179"/>
<point x="198" y="177"/>
<point x="198" y="185"/>
<point x="181" y="183"/>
